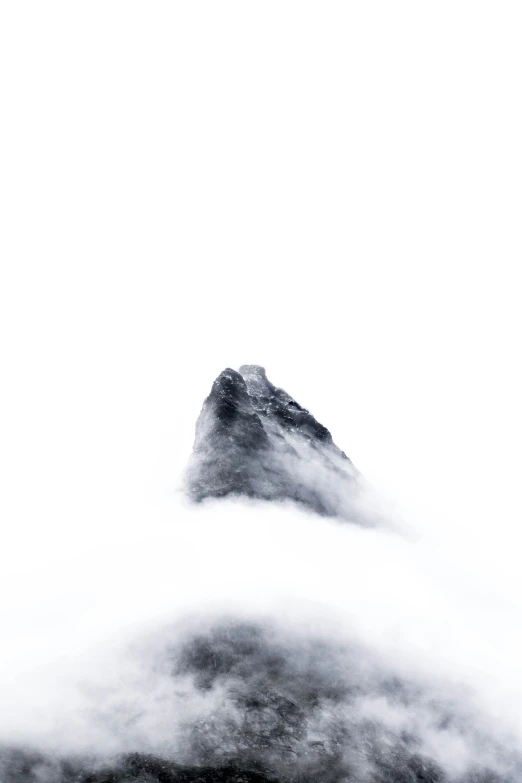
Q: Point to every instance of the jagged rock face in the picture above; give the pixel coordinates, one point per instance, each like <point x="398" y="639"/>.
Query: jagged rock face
<point x="254" y="439"/>
<point x="281" y="708"/>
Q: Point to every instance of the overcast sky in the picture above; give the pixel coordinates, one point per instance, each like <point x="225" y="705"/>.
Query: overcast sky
<point x="329" y="189"/>
<point x="332" y="190"/>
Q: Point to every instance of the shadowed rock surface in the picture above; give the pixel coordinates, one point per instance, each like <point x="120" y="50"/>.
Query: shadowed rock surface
<point x="253" y="439"/>
<point x="281" y="708"/>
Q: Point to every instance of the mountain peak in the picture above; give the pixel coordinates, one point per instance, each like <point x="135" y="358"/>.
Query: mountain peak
<point x="254" y="439"/>
<point x="229" y="395"/>
<point x="255" y="378"/>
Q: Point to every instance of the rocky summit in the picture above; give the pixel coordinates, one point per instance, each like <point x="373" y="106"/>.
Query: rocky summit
<point x="253" y="439"/>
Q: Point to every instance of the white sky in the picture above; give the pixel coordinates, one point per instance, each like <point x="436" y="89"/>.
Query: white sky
<point x="329" y="189"/>
<point x="332" y="190"/>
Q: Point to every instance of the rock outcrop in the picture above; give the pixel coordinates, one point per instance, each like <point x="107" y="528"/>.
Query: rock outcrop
<point x="253" y="439"/>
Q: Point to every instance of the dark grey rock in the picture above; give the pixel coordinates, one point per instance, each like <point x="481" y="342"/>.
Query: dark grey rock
<point x="253" y="439"/>
<point x="285" y="708"/>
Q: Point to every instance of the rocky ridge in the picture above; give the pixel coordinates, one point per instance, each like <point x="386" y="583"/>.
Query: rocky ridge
<point x="253" y="439"/>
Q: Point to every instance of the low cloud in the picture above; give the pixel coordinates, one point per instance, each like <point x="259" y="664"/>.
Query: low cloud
<point x="84" y="640"/>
